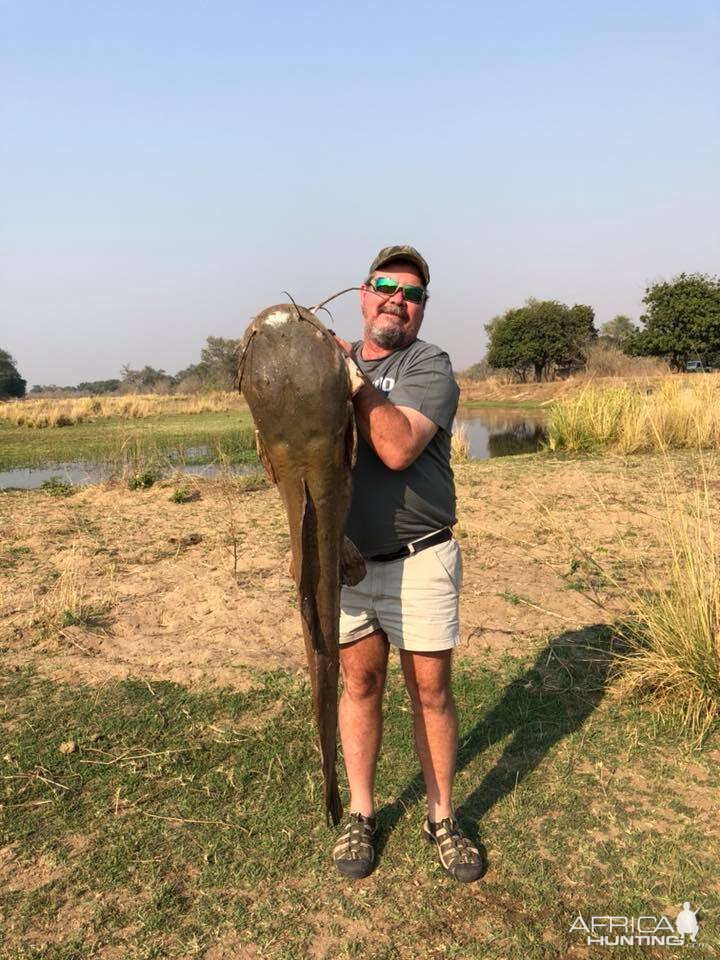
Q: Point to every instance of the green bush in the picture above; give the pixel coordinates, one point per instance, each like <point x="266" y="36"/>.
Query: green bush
<point x="143" y="480"/>
<point x="183" y="495"/>
<point x="57" y="487"/>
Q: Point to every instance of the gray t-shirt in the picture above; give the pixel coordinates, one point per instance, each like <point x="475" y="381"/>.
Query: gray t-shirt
<point x="393" y="507"/>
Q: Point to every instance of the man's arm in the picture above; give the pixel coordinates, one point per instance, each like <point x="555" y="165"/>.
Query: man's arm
<point x="398" y="435"/>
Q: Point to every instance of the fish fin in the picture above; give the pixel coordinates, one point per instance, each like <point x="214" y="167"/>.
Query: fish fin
<point x="306" y="585"/>
<point x="333" y="803"/>
<point x="350" y="438"/>
<point x="242" y="353"/>
<point x="352" y="564"/>
<point x="264" y="458"/>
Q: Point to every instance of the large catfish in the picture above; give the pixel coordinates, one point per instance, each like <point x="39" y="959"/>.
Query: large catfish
<point x="295" y="380"/>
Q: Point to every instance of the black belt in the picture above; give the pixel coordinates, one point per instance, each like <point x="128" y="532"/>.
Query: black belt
<point x="415" y="547"/>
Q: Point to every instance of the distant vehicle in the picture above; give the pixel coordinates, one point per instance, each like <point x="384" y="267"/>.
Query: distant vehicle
<point x="696" y="366"/>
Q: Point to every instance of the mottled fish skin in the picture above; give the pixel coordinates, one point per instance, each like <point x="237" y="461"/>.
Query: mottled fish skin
<point x="294" y="378"/>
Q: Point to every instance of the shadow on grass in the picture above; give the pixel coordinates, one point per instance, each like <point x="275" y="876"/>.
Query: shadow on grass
<point x="552" y="699"/>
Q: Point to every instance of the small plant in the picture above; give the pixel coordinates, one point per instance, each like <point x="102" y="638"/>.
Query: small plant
<point x="183" y="495"/>
<point x="70" y="618"/>
<point x="143" y="480"/>
<point x="57" y="487"/>
<point x="460" y="444"/>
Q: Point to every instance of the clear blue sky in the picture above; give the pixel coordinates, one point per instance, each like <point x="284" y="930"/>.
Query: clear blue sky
<point x="168" y="168"/>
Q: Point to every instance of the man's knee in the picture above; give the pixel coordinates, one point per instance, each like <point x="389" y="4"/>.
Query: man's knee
<point x="427" y="678"/>
<point x="427" y="696"/>
<point x="363" y="683"/>
<point x="363" y="665"/>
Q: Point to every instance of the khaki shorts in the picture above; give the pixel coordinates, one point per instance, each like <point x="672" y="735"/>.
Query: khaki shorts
<point x="413" y="600"/>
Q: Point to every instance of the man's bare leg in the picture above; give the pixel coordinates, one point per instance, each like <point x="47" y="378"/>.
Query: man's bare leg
<point x="363" y="664"/>
<point x="427" y="678"/>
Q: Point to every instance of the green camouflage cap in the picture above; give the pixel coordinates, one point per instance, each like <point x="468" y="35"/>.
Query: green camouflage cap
<point x="405" y="253"/>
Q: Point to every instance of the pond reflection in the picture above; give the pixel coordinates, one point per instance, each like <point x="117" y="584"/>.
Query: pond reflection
<point x="501" y="431"/>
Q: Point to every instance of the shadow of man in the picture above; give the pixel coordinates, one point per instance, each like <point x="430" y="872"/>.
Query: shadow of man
<point x="550" y="700"/>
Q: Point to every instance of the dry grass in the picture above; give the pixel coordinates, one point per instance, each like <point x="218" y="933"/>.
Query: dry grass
<point x="607" y="360"/>
<point x="674" y="630"/>
<point x="679" y="412"/>
<point x="71" y="600"/>
<point x="66" y="412"/>
<point x="460" y="444"/>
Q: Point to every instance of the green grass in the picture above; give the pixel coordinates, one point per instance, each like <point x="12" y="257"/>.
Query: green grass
<point x="111" y="439"/>
<point x="174" y="821"/>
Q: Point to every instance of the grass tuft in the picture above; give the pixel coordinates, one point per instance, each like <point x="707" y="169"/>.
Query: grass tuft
<point x="71" y="599"/>
<point x="184" y="495"/>
<point x="460" y="444"/>
<point x="143" y="480"/>
<point x="57" y="487"/>
<point x="681" y="412"/>
<point x="674" y="629"/>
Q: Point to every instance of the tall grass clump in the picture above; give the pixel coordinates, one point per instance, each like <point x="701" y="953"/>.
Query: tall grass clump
<point x="460" y="444"/>
<point x="681" y="412"/>
<point x="673" y="633"/>
<point x="595" y="418"/>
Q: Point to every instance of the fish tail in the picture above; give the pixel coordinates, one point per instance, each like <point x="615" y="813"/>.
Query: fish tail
<point x="331" y="796"/>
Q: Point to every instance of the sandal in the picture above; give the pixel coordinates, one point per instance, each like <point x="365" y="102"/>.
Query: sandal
<point x="458" y="855"/>
<point x="354" y="851"/>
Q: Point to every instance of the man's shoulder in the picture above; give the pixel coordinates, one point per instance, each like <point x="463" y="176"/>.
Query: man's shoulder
<point x="420" y="351"/>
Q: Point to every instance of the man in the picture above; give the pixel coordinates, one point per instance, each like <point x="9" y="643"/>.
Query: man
<point x="402" y="512"/>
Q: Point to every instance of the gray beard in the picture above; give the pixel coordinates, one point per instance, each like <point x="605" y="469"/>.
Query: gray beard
<point x="387" y="337"/>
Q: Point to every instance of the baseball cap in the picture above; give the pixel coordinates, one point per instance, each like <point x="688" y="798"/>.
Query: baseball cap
<point x="405" y="253"/>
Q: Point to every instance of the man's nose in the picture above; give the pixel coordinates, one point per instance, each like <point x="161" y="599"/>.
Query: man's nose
<point x="397" y="297"/>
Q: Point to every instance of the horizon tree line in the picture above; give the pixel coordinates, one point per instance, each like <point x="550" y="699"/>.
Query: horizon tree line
<point x="542" y="338"/>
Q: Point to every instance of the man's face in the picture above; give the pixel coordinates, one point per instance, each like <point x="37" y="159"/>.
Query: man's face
<point x="392" y="322"/>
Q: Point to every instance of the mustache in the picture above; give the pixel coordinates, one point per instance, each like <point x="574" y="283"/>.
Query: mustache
<point x="394" y="309"/>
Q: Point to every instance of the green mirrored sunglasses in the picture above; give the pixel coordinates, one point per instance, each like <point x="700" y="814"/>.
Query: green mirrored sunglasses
<point x="387" y="287"/>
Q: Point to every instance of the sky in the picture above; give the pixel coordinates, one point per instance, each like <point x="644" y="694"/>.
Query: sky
<point x="167" y="169"/>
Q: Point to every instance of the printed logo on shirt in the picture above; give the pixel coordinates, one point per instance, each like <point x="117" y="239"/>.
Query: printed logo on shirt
<point x="384" y="384"/>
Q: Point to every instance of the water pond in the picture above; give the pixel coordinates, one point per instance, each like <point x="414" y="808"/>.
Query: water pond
<point x="491" y="432"/>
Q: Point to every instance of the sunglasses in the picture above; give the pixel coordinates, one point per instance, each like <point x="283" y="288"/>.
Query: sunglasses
<point x="387" y="287"/>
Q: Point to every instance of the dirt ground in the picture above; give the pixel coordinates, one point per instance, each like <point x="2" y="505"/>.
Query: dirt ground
<point x="110" y="583"/>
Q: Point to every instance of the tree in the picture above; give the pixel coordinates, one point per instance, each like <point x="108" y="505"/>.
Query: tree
<point x="11" y="383"/>
<point x="147" y="380"/>
<point x="682" y="321"/>
<point x="98" y="386"/>
<point x="217" y="368"/>
<point x="219" y="359"/>
<point x="618" y="329"/>
<point x="541" y="335"/>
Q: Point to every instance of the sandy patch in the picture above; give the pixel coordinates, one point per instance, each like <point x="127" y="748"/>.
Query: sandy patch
<point x="199" y="593"/>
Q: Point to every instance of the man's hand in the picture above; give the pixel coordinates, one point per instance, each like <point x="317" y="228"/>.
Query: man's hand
<point x="357" y="380"/>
